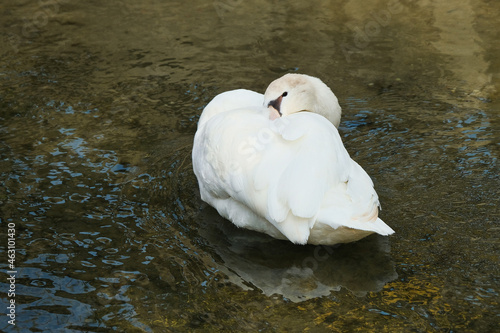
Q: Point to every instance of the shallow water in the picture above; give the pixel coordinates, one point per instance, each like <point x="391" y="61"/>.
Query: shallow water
<point x="98" y="108"/>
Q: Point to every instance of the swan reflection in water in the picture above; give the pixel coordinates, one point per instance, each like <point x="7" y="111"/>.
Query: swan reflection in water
<point x="297" y="272"/>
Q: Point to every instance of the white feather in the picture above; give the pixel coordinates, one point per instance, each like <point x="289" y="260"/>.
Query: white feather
<point x="290" y="178"/>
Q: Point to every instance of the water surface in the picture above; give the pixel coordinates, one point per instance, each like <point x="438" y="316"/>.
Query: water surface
<point x="98" y="109"/>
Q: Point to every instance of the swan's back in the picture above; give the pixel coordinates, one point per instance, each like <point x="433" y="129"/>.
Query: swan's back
<point x="231" y="100"/>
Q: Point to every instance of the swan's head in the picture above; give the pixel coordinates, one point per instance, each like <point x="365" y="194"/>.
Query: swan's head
<point x="293" y="93"/>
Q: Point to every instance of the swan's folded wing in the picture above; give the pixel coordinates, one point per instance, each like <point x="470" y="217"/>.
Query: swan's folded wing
<point x="312" y="160"/>
<point x="318" y="181"/>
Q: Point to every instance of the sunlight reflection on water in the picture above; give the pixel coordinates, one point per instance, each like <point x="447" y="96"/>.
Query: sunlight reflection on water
<point x="99" y="105"/>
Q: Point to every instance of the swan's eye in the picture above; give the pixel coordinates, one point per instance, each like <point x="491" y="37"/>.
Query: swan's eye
<point x="284" y="94"/>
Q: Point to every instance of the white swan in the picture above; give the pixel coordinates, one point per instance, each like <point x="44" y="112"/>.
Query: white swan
<point x="267" y="166"/>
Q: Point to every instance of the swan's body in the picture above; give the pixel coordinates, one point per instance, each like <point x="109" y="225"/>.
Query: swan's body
<point x="266" y="166"/>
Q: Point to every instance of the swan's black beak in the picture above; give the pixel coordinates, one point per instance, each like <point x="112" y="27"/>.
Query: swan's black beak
<point x="276" y="104"/>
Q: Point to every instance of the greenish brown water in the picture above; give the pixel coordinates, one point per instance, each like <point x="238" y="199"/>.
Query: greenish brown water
<point x="98" y="108"/>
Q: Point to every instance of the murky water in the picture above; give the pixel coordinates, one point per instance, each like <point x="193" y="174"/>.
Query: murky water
<point x="98" y="106"/>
